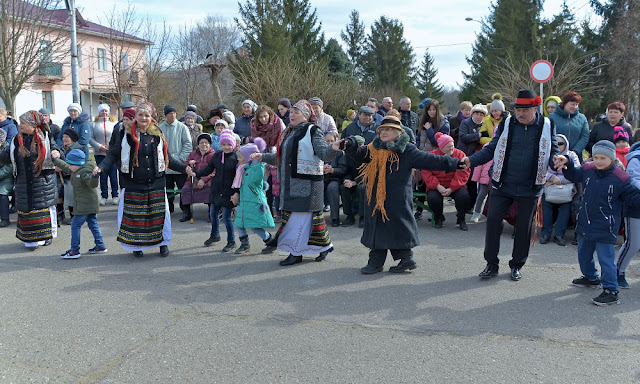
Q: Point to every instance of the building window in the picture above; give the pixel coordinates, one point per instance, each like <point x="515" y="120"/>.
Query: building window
<point x="124" y="61"/>
<point x="79" y="50"/>
<point x="47" y="100"/>
<point x="102" y="59"/>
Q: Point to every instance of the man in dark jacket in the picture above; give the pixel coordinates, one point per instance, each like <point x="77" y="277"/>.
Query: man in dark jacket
<point x="527" y="143"/>
<point x="334" y="173"/>
<point x="454" y="121"/>
<point x="387" y="104"/>
<point x="407" y="116"/>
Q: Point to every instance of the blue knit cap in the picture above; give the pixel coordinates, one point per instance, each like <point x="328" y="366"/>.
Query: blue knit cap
<point x="605" y="147"/>
<point x="76" y="157"/>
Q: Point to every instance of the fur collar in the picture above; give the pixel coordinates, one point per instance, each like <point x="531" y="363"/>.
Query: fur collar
<point x="152" y="130"/>
<point x="398" y="145"/>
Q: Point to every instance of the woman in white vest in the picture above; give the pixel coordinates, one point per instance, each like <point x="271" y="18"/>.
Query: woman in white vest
<point x="300" y="158"/>
<point x="101" y="131"/>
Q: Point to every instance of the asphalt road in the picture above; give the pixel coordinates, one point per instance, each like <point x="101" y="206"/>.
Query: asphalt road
<point x="200" y="316"/>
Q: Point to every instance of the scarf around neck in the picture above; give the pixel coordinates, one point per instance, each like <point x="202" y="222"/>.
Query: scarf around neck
<point x="381" y="154"/>
<point x="270" y="132"/>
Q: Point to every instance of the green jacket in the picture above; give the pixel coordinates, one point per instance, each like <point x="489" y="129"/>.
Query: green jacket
<point x="252" y="198"/>
<point x="84" y="187"/>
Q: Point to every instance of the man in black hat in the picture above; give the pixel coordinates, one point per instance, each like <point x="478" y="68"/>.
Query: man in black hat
<point x="526" y="143"/>
<point x="194" y="109"/>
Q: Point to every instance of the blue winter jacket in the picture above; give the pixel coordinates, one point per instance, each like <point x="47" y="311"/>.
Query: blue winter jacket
<point x="11" y="127"/>
<point x="604" y="192"/>
<point x="82" y="128"/>
<point x="633" y="169"/>
<point x="574" y="126"/>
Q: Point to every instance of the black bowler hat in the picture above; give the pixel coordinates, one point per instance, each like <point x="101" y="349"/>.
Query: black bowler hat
<point x="527" y="99"/>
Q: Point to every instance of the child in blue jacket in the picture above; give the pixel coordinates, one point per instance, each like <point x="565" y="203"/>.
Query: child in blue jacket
<point x="605" y="188"/>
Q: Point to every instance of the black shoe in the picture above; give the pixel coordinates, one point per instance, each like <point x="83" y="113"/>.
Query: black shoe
<point x="574" y="241"/>
<point x="291" y="260"/>
<point x="164" y="251"/>
<point x="171" y="207"/>
<point x="488" y="272"/>
<point x="607" y="297"/>
<point x="138" y="253"/>
<point x="244" y="245"/>
<point x="47" y="242"/>
<point x="516" y="275"/>
<point x="323" y="254"/>
<point x="404" y="265"/>
<point x="229" y="246"/>
<point x="559" y="241"/>
<point x="463" y="225"/>
<point x="584" y="282"/>
<point x="370" y="269"/>
<point x="4" y="223"/>
<point x="211" y="240"/>
<point x="185" y="217"/>
<point x="361" y="222"/>
<point x="544" y="240"/>
<point x="335" y="222"/>
<point x="439" y="222"/>
<point x="417" y="215"/>
<point x="269" y="248"/>
<point x="349" y="221"/>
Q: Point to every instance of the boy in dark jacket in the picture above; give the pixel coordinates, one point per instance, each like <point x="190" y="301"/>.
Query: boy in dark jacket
<point x="86" y="200"/>
<point x="606" y="188"/>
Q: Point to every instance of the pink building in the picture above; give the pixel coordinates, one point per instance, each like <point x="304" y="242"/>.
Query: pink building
<point x="111" y="70"/>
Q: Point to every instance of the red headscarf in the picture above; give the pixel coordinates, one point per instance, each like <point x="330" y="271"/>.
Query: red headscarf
<point x="36" y="120"/>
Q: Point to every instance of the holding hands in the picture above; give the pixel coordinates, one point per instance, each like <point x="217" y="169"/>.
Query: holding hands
<point x="235" y="198"/>
<point x="464" y="164"/>
<point x="55" y="154"/>
<point x="190" y="172"/>
<point x="96" y="170"/>
<point x="339" y="145"/>
<point x="256" y="156"/>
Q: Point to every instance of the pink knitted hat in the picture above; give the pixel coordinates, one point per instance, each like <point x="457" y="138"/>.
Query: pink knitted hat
<point x="227" y="136"/>
<point x="443" y="139"/>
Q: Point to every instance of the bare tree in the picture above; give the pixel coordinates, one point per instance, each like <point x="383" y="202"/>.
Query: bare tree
<point x="126" y="52"/>
<point x="33" y="42"/>
<point x="157" y="55"/>
<point x="186" y="61"/>
<point x="216" y="39"/>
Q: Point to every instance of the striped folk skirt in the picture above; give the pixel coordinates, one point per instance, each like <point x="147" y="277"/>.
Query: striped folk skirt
<point x="302" y="233"/>
<point x="143" y="219"/>
<point x="36" y="226"/>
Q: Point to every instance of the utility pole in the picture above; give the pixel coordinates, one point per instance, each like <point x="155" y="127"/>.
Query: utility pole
<point x="71" y="8"/>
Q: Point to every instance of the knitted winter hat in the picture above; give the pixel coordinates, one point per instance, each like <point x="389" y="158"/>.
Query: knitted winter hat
<point x="73" y="135"/>
<point x="480" y="108"/>
<point x="44" y="111"/>
<point x="316" y="101"/>
<point x="257" y="146"/>
<point x="103" y="107"/>
<point x="222" y="122"/>
<point x="620" y="134"/>
<point x="192" y="108"/>
<point x="205" y="136"/>
<point x="76" y="157"/>
<point x="169" y="108"/>
<point x="253" y="105"/>
<point x="74" y="106"/>
<point x="229" y="117"/>
<point x="190" y="114"/>
<point x="443" y="139"/>
<point x="130" y="113"/>
<point x="285" y="102"/>
<point x="605" y="147"/>
<point x="497" y="105"/>
<point x="228" y="137"/>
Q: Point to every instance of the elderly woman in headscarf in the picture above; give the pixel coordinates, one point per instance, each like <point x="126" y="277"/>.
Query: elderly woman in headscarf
<point x="195" y="129"/>
<point x="35" y="180"/>
<point x="388" y="219"/>
<point x="141" y="156"/>
<point x="300" y="158"/>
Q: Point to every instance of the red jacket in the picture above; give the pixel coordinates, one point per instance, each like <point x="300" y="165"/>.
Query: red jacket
<point x="454" y="180"/>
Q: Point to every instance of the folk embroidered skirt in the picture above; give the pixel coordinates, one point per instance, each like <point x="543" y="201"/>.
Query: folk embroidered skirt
<point x="144" y="220"/>
<point x="37" y="225"/>
<point x="302" y="233"/>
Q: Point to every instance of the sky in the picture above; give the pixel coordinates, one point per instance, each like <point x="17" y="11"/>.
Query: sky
<point x="439" y="26"/>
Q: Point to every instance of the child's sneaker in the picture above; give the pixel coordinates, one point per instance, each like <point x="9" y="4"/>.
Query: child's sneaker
<point x="622" y="282"/>
<point x="229" y="247"/>
<point x="475" y="217"/>
<point x="584" y="282"/>
<point x="607" y="297"/>
<point x="71" y="255"/>
<point x="97" y="249"/>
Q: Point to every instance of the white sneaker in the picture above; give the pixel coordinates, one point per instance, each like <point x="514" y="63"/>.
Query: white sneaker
<point x="103" y="201"/>
<point x="115" y="201"/>
<point x="475" y="217"/>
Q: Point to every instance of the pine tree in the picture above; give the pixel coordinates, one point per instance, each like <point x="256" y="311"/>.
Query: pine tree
<point x="353" y="36"/>
<point x="281" y="27"/>
<point x="339" y="64"/>
<point x="427" y="83"/>
<point x="388" y="58"/>
<point x="511" y="31"/>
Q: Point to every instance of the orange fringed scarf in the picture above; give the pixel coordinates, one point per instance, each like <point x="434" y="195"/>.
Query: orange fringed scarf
<point x="376" y="169"/>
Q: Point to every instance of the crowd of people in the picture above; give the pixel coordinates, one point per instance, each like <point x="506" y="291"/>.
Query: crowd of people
<point x="289" y="166"/>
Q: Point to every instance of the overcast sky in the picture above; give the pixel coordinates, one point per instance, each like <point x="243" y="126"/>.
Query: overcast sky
<point x="439" y="26"/>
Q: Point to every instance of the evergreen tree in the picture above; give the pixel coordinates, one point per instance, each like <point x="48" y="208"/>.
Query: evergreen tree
<point x="511" y="31"/>
<point x="388" y="58"/>
<point x="427" y="83"/>
<point x="339" y="64"/>
<point x="353" y="36"/>
<point x="281" y="27"/>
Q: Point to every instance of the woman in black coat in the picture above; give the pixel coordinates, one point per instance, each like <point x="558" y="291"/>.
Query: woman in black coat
<point x="36" y="191"/>
<point x="389" y="223"/>
<point x="603" y="130"/>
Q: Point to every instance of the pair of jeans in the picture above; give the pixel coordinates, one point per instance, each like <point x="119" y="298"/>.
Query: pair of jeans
<point x="564" y="213"/>
<point x="104" y="183"/>
<point x="606" y="258"/>
<point x="4" y="207"/>
<point x="264" y="235"/>
<point x="92" y="223"/>
<point x="631" y="244"/>
<point x="499" y="204"/>
<point x="214" y="211"/>
<point x="333" y="196"/>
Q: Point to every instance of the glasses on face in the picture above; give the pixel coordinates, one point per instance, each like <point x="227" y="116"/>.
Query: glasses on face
<point x="561" y="144"/>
